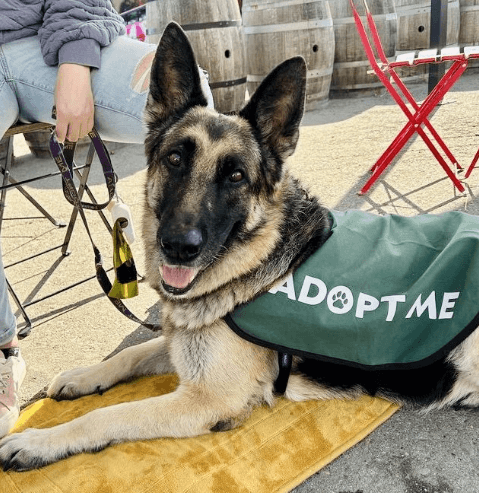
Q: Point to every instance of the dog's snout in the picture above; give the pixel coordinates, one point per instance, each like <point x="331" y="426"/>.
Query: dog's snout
<point x="182" y="247"/>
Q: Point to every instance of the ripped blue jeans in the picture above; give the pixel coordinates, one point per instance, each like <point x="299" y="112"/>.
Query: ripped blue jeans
<point x="27" y="86"/>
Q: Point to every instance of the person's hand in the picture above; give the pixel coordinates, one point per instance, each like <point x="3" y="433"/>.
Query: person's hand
<point x="74" y="102"/>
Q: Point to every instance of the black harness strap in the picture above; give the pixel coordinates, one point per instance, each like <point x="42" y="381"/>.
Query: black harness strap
<point x="63" y="157"/>
<point x="285" y="361"/>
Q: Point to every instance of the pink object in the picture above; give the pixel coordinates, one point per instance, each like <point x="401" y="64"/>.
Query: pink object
<point x="136" y="30"/>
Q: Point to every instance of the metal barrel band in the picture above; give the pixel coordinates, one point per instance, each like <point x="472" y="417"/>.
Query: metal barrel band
<point x="201" y="26"/>
<point x="227" y="83"/>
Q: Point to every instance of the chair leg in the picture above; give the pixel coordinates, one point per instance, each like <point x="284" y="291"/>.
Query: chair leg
<point x="74" y="214"/>
<point x="387" y="156"/>
<point x="83" y="187"/>
<point x="58" y="224"/>
<point x="7" y="178"/>
<point x="407" y="94"/>
<point x="24" y="331"/>
<point x="6" y="173"/>
<point x="472" y="165"/>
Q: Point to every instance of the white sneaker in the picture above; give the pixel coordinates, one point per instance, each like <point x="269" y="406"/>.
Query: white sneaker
<point x="12" y="373"/>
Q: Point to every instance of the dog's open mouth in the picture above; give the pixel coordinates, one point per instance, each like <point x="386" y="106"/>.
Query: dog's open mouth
<point x="177" y="279"/>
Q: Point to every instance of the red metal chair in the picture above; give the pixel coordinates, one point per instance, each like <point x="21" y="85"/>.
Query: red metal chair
<point x="418" y="118"/>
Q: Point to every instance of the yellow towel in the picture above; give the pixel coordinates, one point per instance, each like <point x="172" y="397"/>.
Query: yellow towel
<point x="274" y="451"/>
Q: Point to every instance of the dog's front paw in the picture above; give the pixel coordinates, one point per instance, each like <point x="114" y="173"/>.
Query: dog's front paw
<point x="28" y="450"/>
<point x="75" y="383"/>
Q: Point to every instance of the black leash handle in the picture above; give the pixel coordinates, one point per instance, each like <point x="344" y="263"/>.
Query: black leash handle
<point x="63" y="157"/>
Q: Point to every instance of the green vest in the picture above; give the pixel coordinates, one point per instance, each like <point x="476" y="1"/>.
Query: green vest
<point x="382" y="292"/>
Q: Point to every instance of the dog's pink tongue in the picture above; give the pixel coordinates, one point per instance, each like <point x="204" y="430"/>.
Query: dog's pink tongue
<point x="178" y="277"/>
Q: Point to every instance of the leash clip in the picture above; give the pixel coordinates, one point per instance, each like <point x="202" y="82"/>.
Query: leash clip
<point x="120" y="211"/>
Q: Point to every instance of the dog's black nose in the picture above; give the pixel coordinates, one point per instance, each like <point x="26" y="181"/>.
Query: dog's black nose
<point x="182" y="247"/>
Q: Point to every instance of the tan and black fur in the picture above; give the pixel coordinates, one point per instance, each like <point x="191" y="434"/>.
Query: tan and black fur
<point x="224" y="221"/>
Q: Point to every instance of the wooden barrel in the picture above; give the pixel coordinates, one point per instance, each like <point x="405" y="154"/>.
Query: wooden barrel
<point x="414" y="30"/>
<point x="414" y="24"/>
<point x="216" y="34"/>
<point x="351" y="66"/>
<point x="276" y="30"/>
<point x="469" y="27"/>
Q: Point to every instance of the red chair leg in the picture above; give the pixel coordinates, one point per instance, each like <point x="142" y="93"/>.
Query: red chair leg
<point x="414" y="124"/>
<point x="472" y="165"/>
<point x="388" y="155"/>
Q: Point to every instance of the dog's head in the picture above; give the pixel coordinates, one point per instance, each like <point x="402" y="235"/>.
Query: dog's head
<point x="213" y="192"/>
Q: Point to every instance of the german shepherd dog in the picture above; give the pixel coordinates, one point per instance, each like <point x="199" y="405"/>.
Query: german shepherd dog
<point x="224" y="221"/>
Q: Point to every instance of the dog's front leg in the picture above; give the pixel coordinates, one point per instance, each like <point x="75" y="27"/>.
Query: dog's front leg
<point x="149" y="358"/>
<point x="188" y="411"/>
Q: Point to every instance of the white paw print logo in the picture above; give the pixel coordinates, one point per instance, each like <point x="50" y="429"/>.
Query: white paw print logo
<point x="340" y="300"/>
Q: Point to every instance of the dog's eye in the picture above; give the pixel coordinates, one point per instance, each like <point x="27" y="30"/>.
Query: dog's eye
<point x="174" y="159"/>
<point x="236" y="176"/>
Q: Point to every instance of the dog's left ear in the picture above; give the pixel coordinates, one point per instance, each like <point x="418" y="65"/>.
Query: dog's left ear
<point x="175" y="82"/>
<point x="276" y="108"/>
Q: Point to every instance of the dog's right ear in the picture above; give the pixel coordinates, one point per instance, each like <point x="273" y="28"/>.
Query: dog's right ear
<point x="175" y="82"/>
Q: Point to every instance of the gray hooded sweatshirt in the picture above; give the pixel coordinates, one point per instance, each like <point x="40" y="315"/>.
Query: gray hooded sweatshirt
<point x="70" y="31"/>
